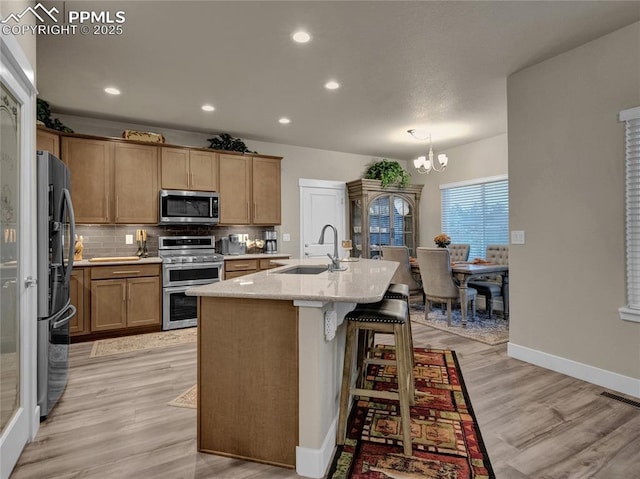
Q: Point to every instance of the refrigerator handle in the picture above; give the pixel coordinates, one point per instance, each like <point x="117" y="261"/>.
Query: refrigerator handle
<point x="72" y="224"/>
<point x="66" y="319"/>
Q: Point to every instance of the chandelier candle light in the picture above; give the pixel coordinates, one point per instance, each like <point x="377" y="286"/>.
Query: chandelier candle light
<point x="428" y="164"/>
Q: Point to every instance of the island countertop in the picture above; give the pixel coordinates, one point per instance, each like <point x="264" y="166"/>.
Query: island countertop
<point x="364" y="281"/>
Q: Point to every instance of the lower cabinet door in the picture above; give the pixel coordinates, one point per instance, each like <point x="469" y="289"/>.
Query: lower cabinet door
<point x="108" y="304"/>
<point x="143" y="301"/>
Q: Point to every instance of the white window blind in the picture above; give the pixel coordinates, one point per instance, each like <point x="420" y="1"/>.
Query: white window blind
<point x="476" y="213"/>
<point x="632" y="192"/>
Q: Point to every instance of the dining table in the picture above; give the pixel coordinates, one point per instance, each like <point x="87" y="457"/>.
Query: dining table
<point x="465" y="271"/>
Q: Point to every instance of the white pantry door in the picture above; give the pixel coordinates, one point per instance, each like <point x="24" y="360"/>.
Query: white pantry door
<point x="321" y="203"/>
<point x="17" y="254"/>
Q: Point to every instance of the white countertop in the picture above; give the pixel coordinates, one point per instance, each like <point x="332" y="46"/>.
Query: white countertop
<point x="86" y="262"/>
<point x="364" y="281"/>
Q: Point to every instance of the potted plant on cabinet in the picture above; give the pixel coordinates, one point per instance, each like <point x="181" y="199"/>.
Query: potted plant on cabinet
<point x="388" y="172"/>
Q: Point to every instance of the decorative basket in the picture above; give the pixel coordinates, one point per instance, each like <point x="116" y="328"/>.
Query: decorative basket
<point x="143" y="136"/>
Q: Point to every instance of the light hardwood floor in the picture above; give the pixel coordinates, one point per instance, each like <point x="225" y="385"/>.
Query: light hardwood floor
<point x="114" y="422"/>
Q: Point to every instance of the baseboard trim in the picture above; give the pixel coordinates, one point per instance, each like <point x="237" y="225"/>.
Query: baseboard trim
<point x="314" y="462"/>
<point x="584" y="372"/>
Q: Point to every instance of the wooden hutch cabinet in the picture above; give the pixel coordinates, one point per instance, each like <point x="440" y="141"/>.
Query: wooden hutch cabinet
<point x="382" y="216"/>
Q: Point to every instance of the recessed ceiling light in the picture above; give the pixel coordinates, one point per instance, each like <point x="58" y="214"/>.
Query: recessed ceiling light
<point x="301" y="36"/>
<point x="284" y="121"/>
<point x="208" y="107"/>
<point x="112" y="90"/>
<point x="332" y="85"/>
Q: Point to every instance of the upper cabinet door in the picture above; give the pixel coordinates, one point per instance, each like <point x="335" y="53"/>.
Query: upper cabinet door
<point x="91" y="166"/>
<point x="136" y="183"/>
<point x="235" y="189"/>
<point x="47" y="141"/>
<point x="266" y="191"/>
<point x="203" y="170"/>
<point x="175" y="168"/>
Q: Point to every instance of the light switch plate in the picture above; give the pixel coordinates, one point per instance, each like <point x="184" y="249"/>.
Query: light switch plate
<point x="286" y="237"/>
<point x="517" y="237"/>
<point x="128" y="239"/>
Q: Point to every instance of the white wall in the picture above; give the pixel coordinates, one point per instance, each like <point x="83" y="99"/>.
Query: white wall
<point x="566" y="178"/>
<point x="479" y="159"/>
<point x="297" y="162"/>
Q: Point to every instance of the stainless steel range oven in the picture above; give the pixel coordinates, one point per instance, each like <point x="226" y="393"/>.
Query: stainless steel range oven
<point x="186" y="261"/>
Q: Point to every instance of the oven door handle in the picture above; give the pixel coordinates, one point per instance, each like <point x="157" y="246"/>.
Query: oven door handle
<point x="174" y="266"/>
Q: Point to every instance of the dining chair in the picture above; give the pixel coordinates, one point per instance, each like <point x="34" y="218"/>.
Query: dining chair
<point x="438" y="283"/>
<point x="459" y="252"/>
<point x="403" y="274"/>
<point x="491" y="286"/>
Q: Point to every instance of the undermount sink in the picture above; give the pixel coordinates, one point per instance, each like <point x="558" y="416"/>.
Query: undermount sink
<point x="316" y="269"/>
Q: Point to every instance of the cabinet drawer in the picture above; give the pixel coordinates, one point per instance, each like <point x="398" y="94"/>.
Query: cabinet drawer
<point x="268" y="264"/>
<point x="124" y="271"/>
<point x="241" y="265"/>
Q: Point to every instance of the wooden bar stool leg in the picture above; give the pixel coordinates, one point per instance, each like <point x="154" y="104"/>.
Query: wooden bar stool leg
<point x="410" y="361"/>
<point x="345" y="393"/>
<point x="403" y="389"/>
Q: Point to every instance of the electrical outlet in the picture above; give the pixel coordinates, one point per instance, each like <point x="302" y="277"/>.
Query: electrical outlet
<point x="517" y="237"/>
<point x="128" y="239"/>
<point x="286" y="237"/>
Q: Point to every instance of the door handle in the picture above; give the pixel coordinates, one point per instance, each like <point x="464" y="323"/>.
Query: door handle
<point x="29" y="282"/>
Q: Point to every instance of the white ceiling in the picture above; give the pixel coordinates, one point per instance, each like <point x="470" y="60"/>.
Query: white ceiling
<point x="438" y="66"/>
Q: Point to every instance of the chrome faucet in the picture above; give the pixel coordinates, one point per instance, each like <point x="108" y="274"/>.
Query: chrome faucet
<point x="335" y="259"/>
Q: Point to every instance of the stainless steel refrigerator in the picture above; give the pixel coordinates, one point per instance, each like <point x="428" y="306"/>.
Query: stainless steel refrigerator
<point x="56" y="233"/>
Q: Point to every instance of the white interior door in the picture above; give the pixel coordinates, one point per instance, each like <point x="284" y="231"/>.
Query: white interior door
<point x="321" y="203"/>
<point x="18" y="421"/>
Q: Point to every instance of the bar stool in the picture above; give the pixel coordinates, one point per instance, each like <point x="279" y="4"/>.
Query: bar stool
<point x="386" y="316"/>
<point x="394" y="291"/>
<point x="401" y="291"/>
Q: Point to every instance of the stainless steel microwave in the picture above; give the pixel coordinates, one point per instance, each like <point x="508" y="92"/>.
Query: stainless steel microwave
<point x="188" y="207"/>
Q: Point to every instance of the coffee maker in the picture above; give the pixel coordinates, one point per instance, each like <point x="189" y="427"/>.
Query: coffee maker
<point x="270" y="241"/>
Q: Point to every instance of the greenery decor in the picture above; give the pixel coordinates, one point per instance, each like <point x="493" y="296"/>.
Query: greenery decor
<point x="388" y="172"/>
<point x="224" y="141"/>
<point x="44" y="116"/>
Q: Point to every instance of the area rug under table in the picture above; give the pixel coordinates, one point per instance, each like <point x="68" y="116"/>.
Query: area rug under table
<point x="489" y="330"/>
<point x="445" y="435"/>
<point x="139" y="342"/>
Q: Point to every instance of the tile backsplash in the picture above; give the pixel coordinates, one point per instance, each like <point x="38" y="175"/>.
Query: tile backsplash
<point x="109" y="240"/>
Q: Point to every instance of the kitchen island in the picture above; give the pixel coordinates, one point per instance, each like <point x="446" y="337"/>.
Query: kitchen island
<point x="270" y="352"/>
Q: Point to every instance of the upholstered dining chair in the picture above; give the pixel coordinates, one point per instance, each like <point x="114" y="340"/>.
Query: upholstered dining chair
<point x="459" y="252"/>
<point x="491" y="286"/>
<point x="438" y="283"/>
<point x="403" y="273"/>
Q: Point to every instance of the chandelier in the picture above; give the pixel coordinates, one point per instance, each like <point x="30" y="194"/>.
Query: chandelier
<point x="427" y="164"/>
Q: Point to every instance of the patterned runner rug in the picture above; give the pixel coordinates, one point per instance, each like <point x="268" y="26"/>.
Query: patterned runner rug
<point x="487" y="330"/>
<point x="445" y="435"/>
<point x="127" y="344"/>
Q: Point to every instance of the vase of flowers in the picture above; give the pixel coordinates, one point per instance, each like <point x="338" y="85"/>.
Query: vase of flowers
<point x="442" y="240"/>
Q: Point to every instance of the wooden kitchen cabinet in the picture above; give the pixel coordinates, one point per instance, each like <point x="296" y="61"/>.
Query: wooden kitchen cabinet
<point x="78" y="295"/>
<point x="249" y="190"/>
<point x="234" y="268"/>
<point x="111" y="181"/>
<point x="135" y="184"/>
<point x="189" y="169"/>
<point x="91" y="164"/>
<point x="235" y="189"/>
<point x="266" y="191"/>
<point x="48" y="141"/>
<point x="125" y="296"/>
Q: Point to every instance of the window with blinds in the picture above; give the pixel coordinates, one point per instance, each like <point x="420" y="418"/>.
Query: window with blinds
<point x="477" y="213"/>
<point x="632" y="193"/>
